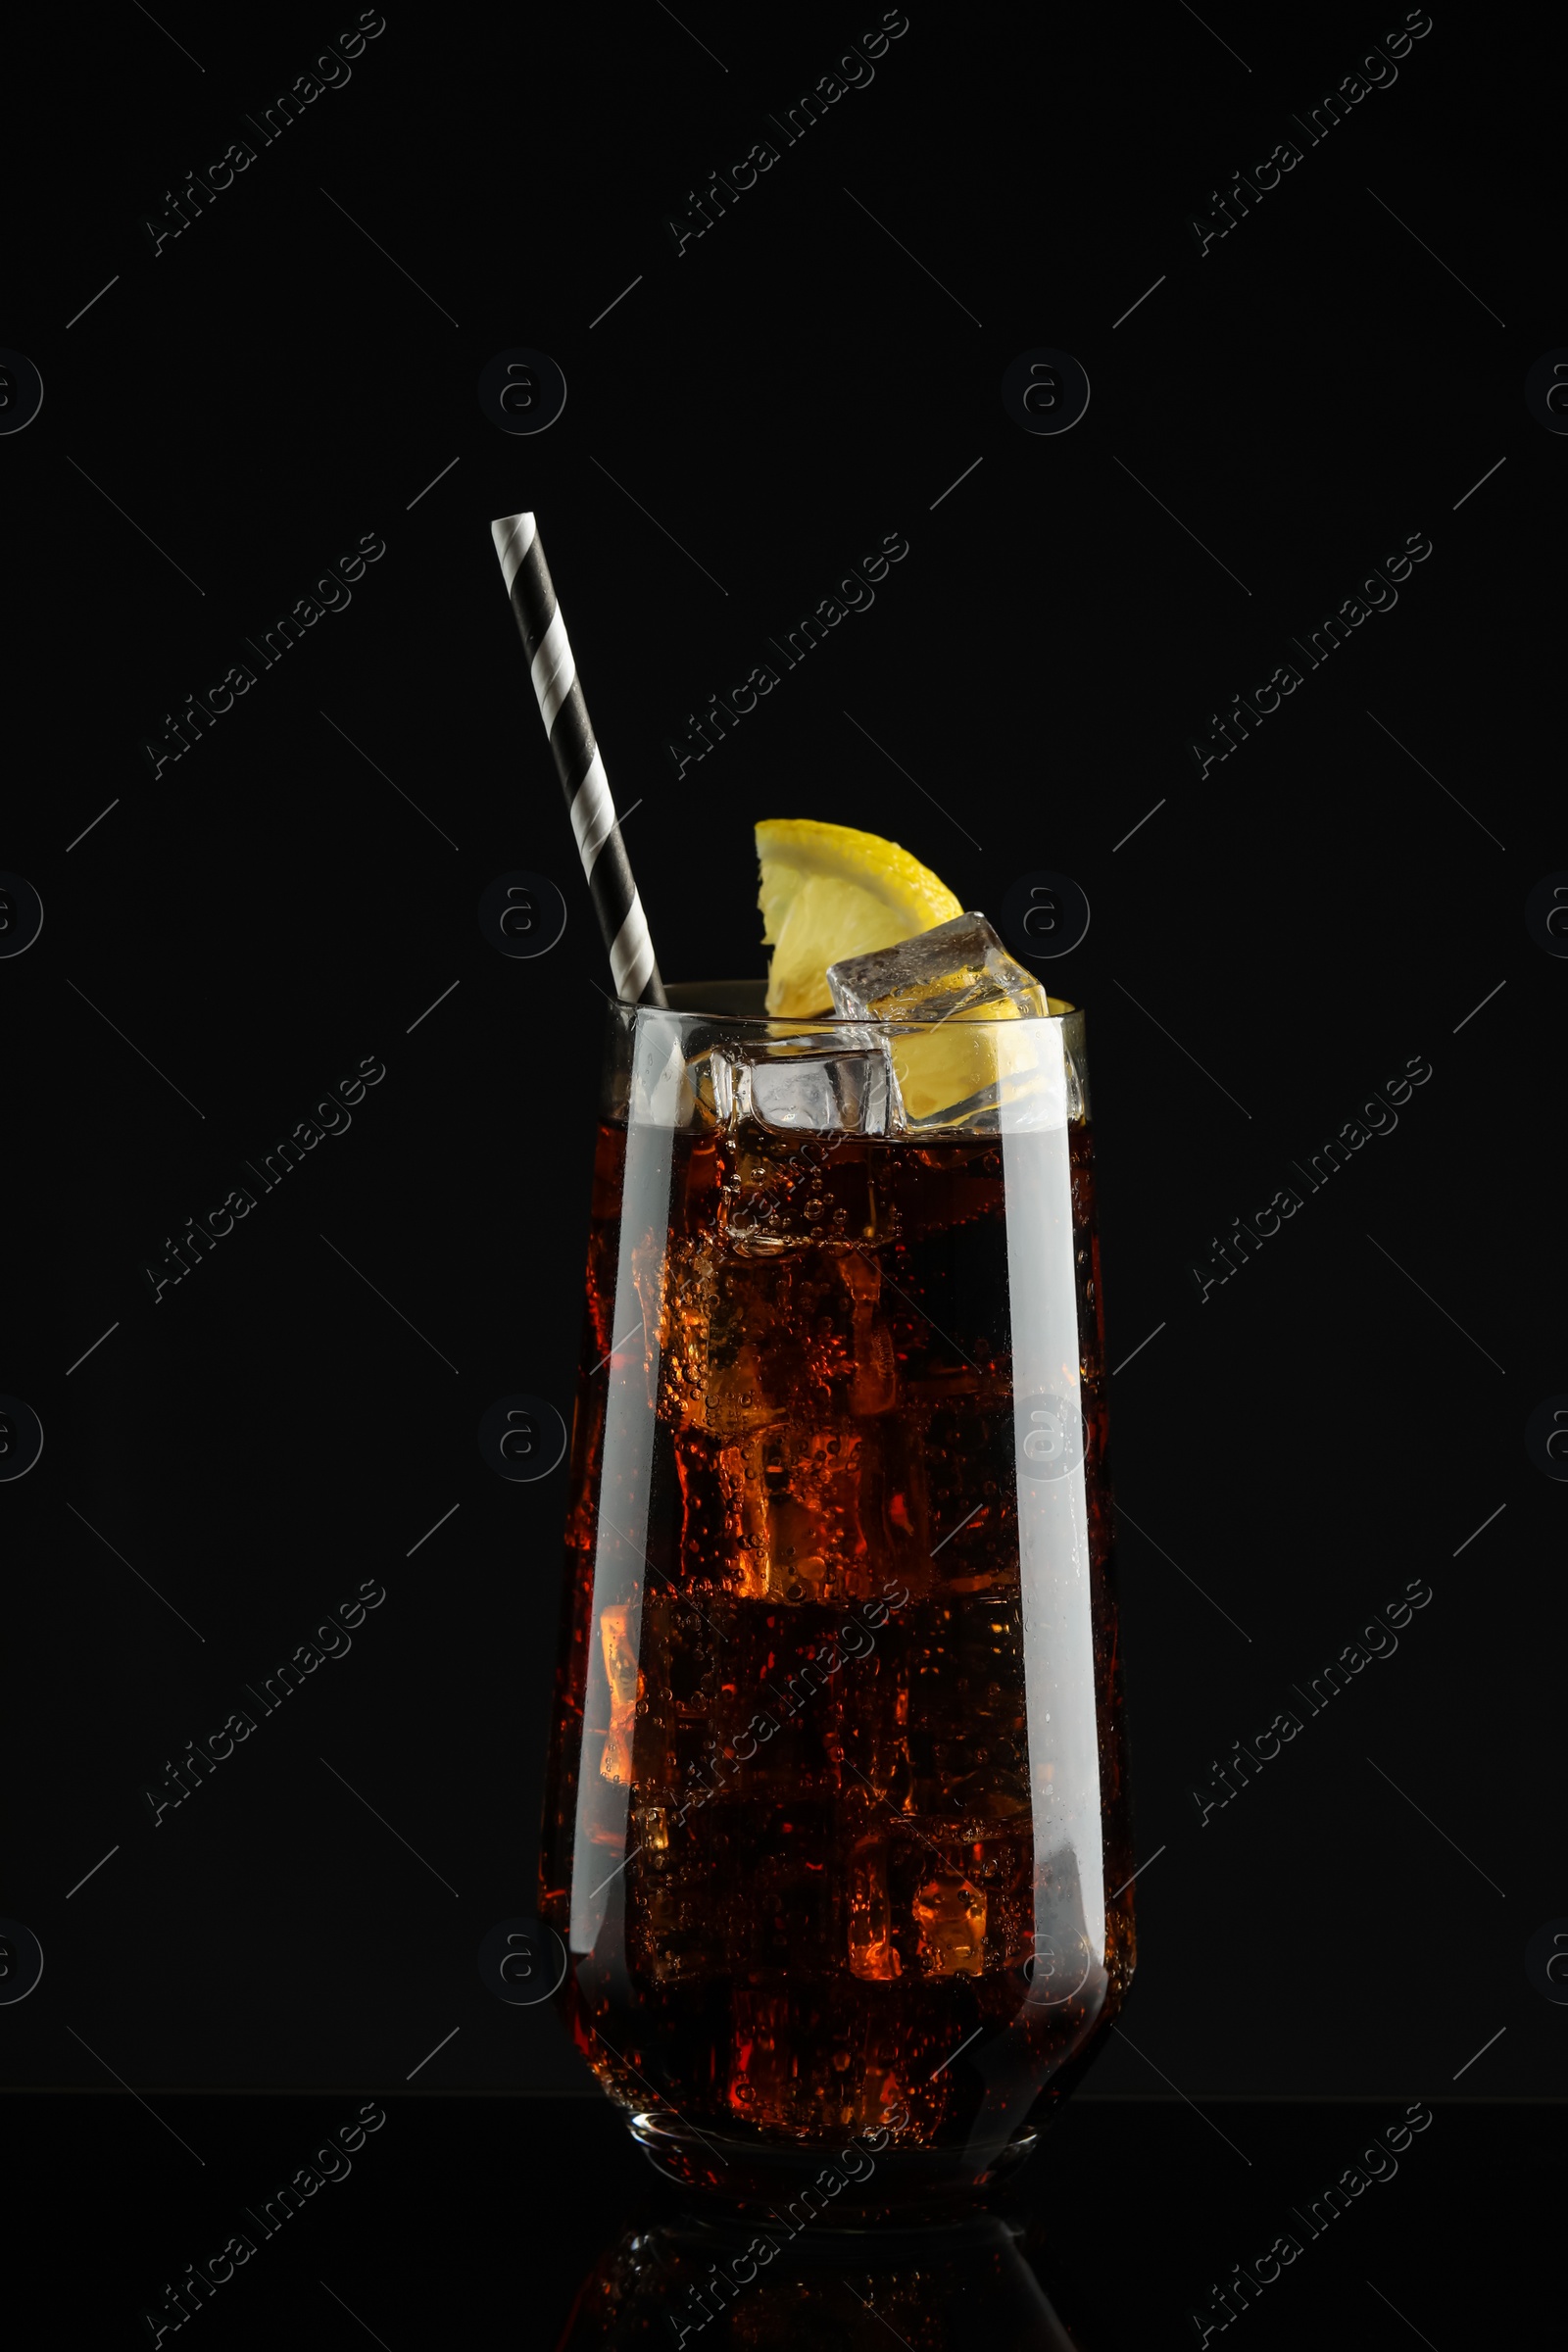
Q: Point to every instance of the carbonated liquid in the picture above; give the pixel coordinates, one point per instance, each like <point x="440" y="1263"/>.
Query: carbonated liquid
<point x="791" y="1737"/>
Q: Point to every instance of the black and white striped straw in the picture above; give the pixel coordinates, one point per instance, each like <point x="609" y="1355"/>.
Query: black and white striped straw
<point x="577" y="761"/>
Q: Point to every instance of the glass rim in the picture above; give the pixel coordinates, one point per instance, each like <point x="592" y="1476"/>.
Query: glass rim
<point x="724" y="1001"/>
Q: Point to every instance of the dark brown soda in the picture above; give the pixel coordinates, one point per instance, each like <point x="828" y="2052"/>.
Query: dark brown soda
<point x="810" y="1736"/>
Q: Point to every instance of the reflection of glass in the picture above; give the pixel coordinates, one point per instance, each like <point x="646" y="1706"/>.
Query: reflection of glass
<point x="956" y="2285"/>
<point x="836" y="1831"/>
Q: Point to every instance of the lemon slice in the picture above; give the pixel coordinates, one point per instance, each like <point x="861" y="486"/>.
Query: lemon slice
<point x="945" y="1073"/>
<point x="829" y="892"/>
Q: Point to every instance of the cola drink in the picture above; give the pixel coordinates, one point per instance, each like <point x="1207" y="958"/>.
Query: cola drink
<point x="836" y="1831"/>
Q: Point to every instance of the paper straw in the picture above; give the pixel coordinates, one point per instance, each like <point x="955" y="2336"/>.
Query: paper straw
<point x="577" y="761"/>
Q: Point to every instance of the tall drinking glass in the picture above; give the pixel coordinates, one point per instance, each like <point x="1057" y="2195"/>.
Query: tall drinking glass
<point x="836" y="1828"/>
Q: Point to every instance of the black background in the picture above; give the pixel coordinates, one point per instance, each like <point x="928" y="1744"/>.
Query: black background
<point x="1322" y="906"/>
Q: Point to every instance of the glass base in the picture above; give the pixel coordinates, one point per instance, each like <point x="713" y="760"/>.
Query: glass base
<point x="826" y="2186"/>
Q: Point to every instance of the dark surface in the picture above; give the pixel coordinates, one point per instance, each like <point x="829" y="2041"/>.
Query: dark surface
<point x="1303" y="919"/>
<point x="1278" y="939"/>
<point x="468" y="2221"/>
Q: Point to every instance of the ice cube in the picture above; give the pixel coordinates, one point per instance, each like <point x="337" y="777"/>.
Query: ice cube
<point x="951" y="1915"/>
<point x="955" y="971"/>
<point x="621" y="1672"/>
<point x="711" y="1077"/>
<point x="660" y="1093"/>
<point x="872" y="1952"/>
<point x="811" y="1085"/>
<point x="971" y="1047"/>
<point x="831" y="1091"/>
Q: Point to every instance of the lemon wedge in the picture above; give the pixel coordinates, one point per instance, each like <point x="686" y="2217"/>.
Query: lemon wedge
<point x="829" y="892"/>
